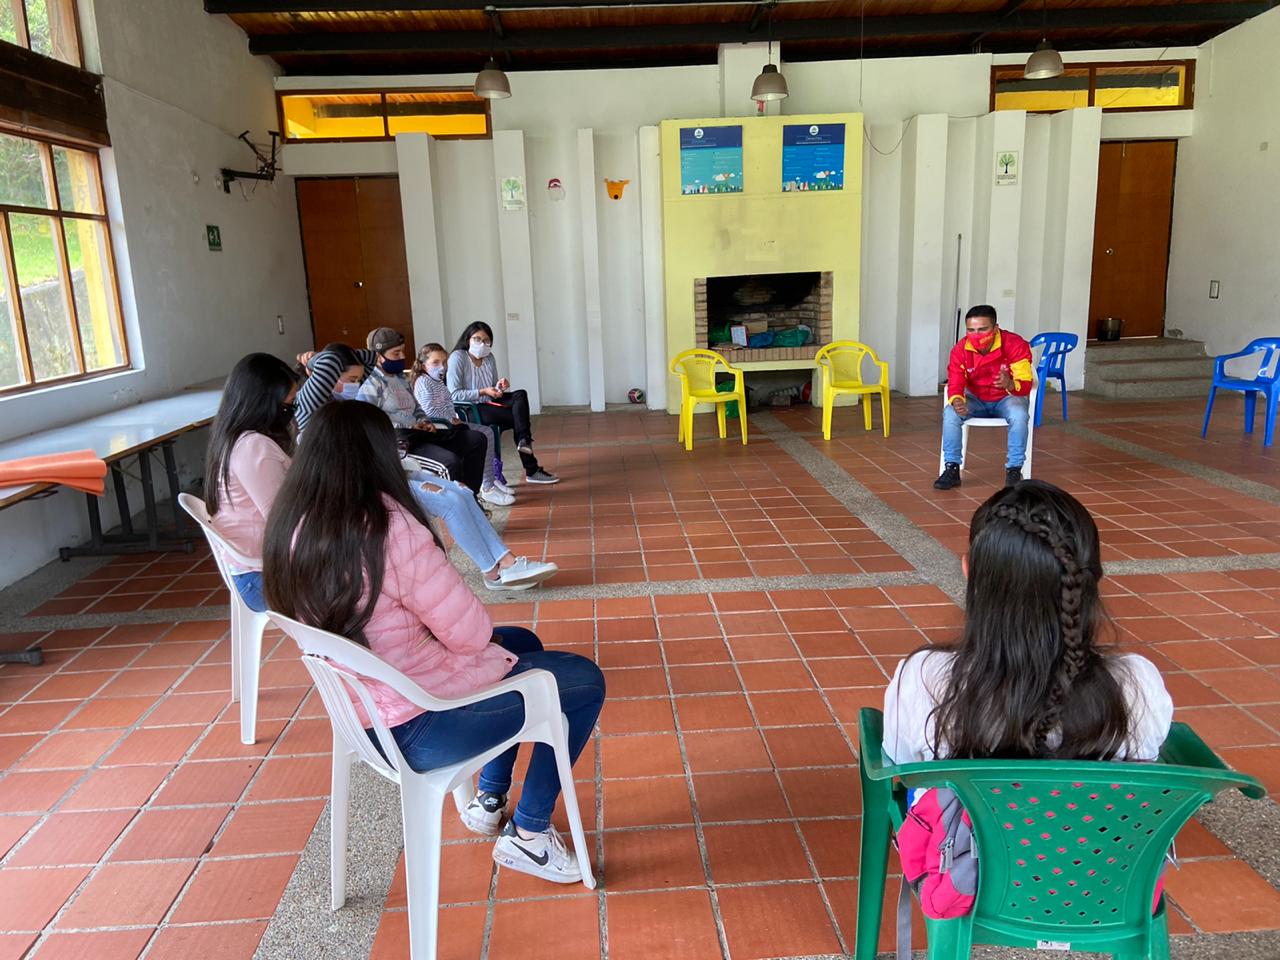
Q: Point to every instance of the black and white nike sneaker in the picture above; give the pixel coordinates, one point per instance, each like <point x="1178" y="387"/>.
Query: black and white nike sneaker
<point x="544" y="855"/>
<point x="483" y="815"/>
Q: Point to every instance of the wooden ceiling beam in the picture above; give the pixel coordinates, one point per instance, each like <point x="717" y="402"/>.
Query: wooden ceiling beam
<point x="436" y="6"/>
<point x="607" y="38"/>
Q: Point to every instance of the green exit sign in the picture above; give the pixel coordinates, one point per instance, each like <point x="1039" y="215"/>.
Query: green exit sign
<point x="215" y="237"/>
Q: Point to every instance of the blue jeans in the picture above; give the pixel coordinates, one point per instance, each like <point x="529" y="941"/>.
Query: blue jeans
<point x="1015" y="410"/>
<point x="437" y="739"/>
<point x="249" y="586"/>
<point x="467" y="524"/>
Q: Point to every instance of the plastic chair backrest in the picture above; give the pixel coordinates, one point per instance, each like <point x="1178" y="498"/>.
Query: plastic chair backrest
<point x="845" y="359"/>
<point x="1070" y="846"/>
<point x="1269" y="370"/>
<point x="221" y="550"/>
<point x="699" y="369"/>
<point x="1056" y="347"/>
<point x="340" y="667"/>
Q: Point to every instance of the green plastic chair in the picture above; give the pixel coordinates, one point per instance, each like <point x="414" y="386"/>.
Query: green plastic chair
<point x="1069" y="851"/>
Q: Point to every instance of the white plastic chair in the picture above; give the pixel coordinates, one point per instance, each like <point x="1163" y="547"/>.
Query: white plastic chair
<point x="246" y="625"/>
<point x="340" y="668"/>
<point x="994" y="422"/>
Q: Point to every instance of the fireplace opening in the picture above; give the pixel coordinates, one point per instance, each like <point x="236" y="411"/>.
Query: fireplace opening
<point x="764" y="317"/>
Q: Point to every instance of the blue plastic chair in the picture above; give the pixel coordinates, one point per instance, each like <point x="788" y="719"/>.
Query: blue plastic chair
<point x="1267" y="382"/>
<point x="1053" y="364"/>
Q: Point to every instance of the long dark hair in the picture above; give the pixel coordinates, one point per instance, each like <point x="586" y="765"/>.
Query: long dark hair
<point x="253" y="401"/>
<point x="323" y="550"/>
<point x="464" y="341"/>
<point x="1028" y="679"/>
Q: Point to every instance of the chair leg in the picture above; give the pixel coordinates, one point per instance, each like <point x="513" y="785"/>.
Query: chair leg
<point x="720" y="420"/>
<point x="1250" y="409"/>
<point x="742" y="416"/>
<point x="874" y="859"/>
<point x="865" y="400"/>
<point x="236" y="629"/>
<point x="1063" y="384"/>
<point x="1208" y="412"/>
<point x="1269" y="432"/>
<point x="688" y="425"/>
<point x="964" y="443"/>
<point x="1038" y="412"/>
<point x="884" y="410"/>
<point x="422" y="810"/>
<point x="250" y="643"/>
<point x="570" y="797"/>
<point x="828" y="401"/>
<point x="950" y="939"/>
<point x="680" y="424"/>
<point x="339" y="816"/>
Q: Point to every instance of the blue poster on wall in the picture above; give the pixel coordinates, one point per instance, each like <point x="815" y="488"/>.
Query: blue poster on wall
<point x="812" y="157"/>
<point x="710" y="160"/>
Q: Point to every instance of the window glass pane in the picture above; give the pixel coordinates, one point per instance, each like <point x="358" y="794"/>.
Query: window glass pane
<point x="10" y="360"/>
<point x="8" y="26"/>
<point x="51" y="26"/>
<point x="1140" y="85"/>
<point x="444" y="113"/>
<point x="22" y="176"/>
<point x="78" y="186"/>
<point x="44" y="301"/>
<point x="1061" y="93"/>
<point x="337" y="116"/>
<point x="91" y="280"/>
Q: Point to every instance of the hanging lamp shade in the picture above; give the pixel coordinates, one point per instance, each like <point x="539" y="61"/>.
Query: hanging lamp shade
<point x="770" y="85"/>
<point x="492" y="83"/>
<point x="1044" y="64"/>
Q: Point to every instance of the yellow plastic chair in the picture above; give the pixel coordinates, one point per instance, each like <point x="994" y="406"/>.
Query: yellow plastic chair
<point x="697" y="372"/>
<point x="841" y="364"/>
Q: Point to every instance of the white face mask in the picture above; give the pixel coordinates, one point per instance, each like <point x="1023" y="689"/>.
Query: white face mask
<point x="436" y="373"/>
<point x="480" y="349"/>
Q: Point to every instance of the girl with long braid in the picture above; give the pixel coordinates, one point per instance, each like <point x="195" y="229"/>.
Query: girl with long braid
<point x="1028" y="678"/>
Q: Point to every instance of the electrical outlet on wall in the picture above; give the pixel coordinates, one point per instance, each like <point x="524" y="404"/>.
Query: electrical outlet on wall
<point x="1214" y="289"/>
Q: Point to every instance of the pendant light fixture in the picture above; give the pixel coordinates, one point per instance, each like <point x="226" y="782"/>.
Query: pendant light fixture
<point x="1046" y="62"/>
<point x="492" y="83"/>
<point x="770" y="84"/>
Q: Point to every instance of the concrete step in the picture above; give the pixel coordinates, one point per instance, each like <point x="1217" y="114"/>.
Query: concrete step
<point x="1144" y="348"/>
<point x="1150" y="388"/>
<point x="1147" y="369"/>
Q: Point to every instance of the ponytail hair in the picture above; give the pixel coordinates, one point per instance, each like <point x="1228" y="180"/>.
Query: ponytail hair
<point x="1028" y="679"/>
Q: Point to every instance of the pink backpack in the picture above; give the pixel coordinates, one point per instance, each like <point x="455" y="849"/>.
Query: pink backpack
<point x="939" y="861"/>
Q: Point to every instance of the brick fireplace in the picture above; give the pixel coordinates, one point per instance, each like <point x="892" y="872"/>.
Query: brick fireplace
<point x="782" y="300"/>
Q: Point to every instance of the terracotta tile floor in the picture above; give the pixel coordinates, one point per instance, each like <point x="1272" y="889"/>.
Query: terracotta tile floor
<point x="721" y="792"/>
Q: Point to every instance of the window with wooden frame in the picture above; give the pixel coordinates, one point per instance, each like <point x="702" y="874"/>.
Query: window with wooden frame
<point x="1115" y="87"/>
<point x="46" y="27"/>
<point x="328" y="115"/>
<point x="60" y="316"/>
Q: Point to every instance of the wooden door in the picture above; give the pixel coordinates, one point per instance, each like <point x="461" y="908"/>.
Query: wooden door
<point x="1131" y="235"/>
<point x="353" y="244"/>
<point x="386" y="269"/>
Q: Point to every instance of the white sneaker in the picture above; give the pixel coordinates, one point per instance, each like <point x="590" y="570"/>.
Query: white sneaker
<point x="497" y="497"/>
<point x="544" y="856"/>
<point x="527" y="571"/>
<point x="503" y="486"/>
<point x="483" y="815"/>
<point x="497" y="584"/>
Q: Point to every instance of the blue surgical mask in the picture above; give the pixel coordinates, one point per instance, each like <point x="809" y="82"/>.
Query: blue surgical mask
<point x="393" y="367"/>
<point x="347" y="391"/>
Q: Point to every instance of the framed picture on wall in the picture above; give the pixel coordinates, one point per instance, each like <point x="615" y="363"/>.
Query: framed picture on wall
<point x="812" y="157"/>
<point x="710" y="160"/>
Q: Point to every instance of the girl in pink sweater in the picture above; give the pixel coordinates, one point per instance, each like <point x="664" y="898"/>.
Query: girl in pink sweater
<point x="348" y="550"/>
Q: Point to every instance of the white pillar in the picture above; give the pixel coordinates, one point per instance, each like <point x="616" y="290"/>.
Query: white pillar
<point x="997" y="209"/>
<point x="655" y="319"/>
<point x="517" y="268"/>
<point x="589" y="191"/>
<point x="920" y="247"/>
<point x="1082" y="133"/>
<point x="421" y="243"/>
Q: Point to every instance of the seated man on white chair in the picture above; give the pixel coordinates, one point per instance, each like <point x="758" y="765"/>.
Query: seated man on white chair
<point x="989" y="375"/>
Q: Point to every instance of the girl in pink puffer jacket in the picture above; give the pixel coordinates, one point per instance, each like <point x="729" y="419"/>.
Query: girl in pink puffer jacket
<point x="347" y="549"/>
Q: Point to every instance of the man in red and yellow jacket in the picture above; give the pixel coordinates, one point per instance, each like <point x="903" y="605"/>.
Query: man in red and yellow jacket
<point x="989" y="375"/>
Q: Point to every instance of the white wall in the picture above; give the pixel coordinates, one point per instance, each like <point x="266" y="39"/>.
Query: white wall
<point x="179" y="87"/>
<point x="1226" y="196"/>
